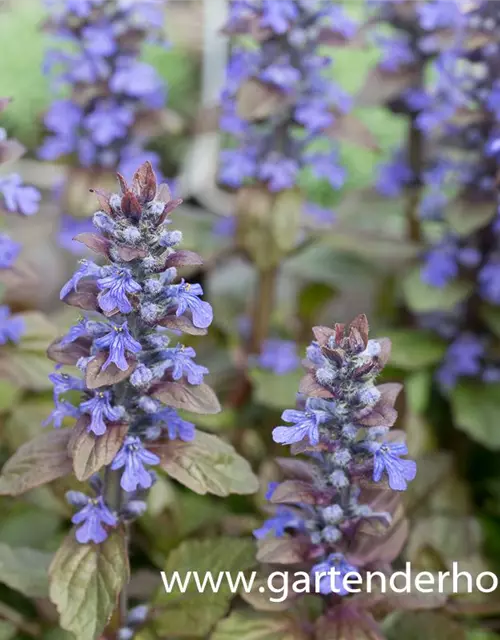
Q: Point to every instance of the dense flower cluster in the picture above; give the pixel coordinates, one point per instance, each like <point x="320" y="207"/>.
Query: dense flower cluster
<point x="343" y="424"/>
<point x="111" y="90"/>
<point x="15" y="197"/>
<point x="412" y="45"/>
<point x="134" y="375"/>
<point x="278" y="105"/>
<point x="464" y="112"/>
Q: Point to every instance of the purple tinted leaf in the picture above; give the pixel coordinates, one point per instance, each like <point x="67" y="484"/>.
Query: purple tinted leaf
<point x="183" y="258"/>
<point x="127" y="254"/>
<point x="284" y="550"/>
<point x="36" y="463"/>
<point x="89" y="452"/>
<point x="85" y="297"/>
<point x="69" y="353"/>
<point x="144" y="183"/>
<point x="310" y="387"/>
<point x="95" y="377"/>
<point x="296" y="469"/>
<point x="182" y="323"/>
<point x="95" y="242"/>
<point x="207" y="464"/>
<point x="181" y="395"/>
<point x="294" y="492"/>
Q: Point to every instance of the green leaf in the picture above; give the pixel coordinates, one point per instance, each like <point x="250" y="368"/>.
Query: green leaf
<point x="7" y="630"/>
<point x="29" y="526"/>
<point x="329" y="266"/>
<point x="249" y="625"/>
<point x="465" y="217"/>
<point x="25" y="369"/>
<point x="285" y="219"/>
<point x="26" y="365"/>
<point x="417" y="390"/>
<point x="181" y="395"/>
<point x="312" y="298"/>
<point x="192" y="613"/>
<point x="413" y="349"/>
<point x="89" y="452"/>
<point x="85" y="582"/>
<point x="207" y="465"/>
<point x="476" y="408"/>
<point x="481" y="634"/>
<point x="25" y="570"/>
<point x="422" y="298"/>
<point x="9" y="395"/>
<point x="422" y="624"/>
<point x="25" y="420"/>
<point x="491" y="315"/>
<point x="271" y="390"/>
<point x="37" y="462"/>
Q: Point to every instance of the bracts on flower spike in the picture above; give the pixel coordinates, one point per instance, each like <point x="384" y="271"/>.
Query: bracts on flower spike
<point x="135" y="375"/>
<point x="340" y="511"/>
<point x="122" y="347"/>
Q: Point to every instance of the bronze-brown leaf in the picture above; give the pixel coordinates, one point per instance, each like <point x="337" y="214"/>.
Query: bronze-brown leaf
<point x="36" y="463"/>
<point x="182" y="323"/>
<point x="183" y="258"/>
<point x="85" y="296"/>
<point x="294" y="492"/>
<point x="95" y="242"/>
<point x="181" y="395"/>
<point x="285" y="550"/>
<point x="131" y="207"/>
<point x="96" y="376"/>
<point x="90" y="452"/>
<point x="309" y="386"/>
<point x="144" y="183"/>
<point x="69" y="353"/>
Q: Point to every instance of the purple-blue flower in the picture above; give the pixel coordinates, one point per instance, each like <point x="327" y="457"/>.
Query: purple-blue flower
<point x="87" y="269"/>
<point x="115" y="286"/>
<point x="236" y="167"/>
<point x="63" y="383"/>
<point x="12" y="327"/>
<point x="278" y="45"/>
<point x="177" y="427"/>
<point x="282" y="520"/>
<point x="336" y="568"/>
<point x="387" y="457"/>
<point x="305" y="426"/>
<point x="489" y="281"/>
<point x="279" y="356"/>
<point x="394" y="176"/>
<point x="186" y="297"/>
<point x="441" y="266"/>
<point x="108" y="122"/>
<point x="180" y="360"/>
<point x="63" y="409"/>
<point x="91" y="519"/>
<point x="101" y="412"/>
<point x="133" y="456"/>
<point x="78" y="330"/>
<point x="279" y="172"/>
<point x="19" y="197"/>
<point x="118" y="342"/>
<point x="463" y="358"/>
<point x="278" y="16"/>
<point x="9" y="251"/>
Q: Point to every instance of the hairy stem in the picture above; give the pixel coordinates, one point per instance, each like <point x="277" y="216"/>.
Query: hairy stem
<point x="114" y="498"/>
